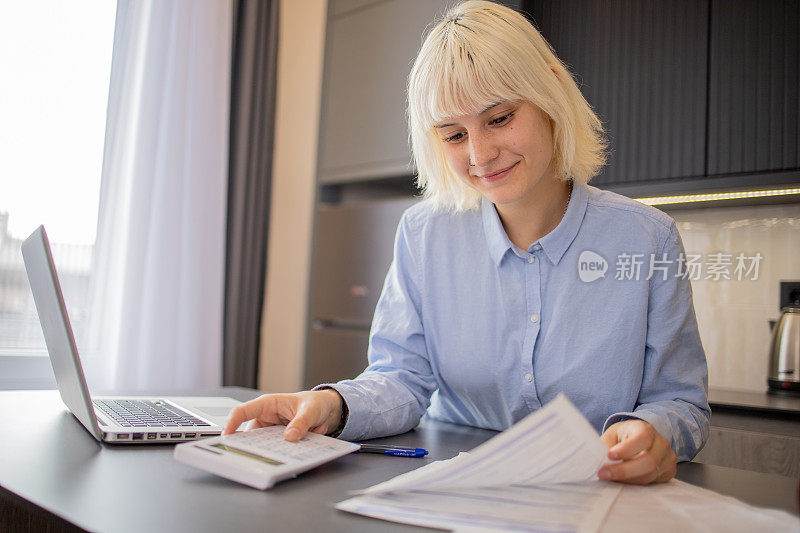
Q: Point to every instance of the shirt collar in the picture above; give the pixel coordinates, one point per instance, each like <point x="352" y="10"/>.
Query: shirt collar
<point x="554" y="244"/>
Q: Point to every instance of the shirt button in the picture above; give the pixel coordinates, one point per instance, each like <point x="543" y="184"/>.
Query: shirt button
<point x="531" y="259"/>
<point x="528" y="378"/>
<point x="534" y="318"/>
<point x="537" y="247"/>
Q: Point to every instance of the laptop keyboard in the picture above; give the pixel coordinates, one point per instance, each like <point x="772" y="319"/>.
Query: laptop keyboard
<point x="146" y="413"/>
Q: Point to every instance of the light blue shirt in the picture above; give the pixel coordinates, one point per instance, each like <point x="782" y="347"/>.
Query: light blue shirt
<point x="476" y="331"/>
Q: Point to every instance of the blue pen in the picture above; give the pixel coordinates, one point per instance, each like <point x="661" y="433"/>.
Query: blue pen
<point x="399" y="451"/>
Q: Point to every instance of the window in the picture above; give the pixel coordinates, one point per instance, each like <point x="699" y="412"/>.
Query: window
<point x="56" y="63"/>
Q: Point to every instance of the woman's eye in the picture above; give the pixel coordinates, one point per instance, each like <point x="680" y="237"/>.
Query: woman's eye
<point x="500" y="120"/>
<point x="454" y="138"/>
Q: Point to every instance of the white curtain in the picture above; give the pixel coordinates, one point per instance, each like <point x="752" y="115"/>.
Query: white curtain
<point x="156" y="319"/>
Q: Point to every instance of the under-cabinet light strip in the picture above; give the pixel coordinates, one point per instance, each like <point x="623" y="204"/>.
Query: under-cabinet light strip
<point x="690" y="198"/>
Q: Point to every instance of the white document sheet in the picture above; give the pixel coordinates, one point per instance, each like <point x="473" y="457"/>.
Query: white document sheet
<point x="506" y="483"/>
<point x="678" y="506"/>
<point x="555" y="444"/>
<point x="562" y="507"/>
<point x="541" y="475"/>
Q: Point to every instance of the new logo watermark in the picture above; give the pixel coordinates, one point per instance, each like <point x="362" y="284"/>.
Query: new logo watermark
<point x="591" y="266"/>
<point x="632" y="266"/>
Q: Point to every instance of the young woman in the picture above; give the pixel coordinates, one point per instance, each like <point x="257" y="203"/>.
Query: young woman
<point x="514" y="280"/>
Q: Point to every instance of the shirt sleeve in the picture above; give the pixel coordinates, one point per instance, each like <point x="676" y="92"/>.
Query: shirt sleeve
<point x="394" y="391"/>
<point x="674" y="394"/>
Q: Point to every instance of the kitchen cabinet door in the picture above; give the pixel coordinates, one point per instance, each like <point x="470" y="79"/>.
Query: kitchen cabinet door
<point x="754" y="101"/>
<point x="369" y="53"/>
<point x="335" y="354"/>
<point x="752" y="450"/>
<point x="371" y="46"/>
<point x="746" y="434"/>
<point x="642" y="66"/>
<point x="352" y="251"/>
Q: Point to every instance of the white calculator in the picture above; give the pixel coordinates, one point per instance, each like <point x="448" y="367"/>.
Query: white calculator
<point x="261" y="457"/>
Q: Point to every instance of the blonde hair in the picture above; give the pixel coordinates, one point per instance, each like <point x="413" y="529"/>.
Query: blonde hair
<point x="480" y="54"/>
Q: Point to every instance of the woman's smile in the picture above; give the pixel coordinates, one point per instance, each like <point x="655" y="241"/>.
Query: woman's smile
<point x="498" y="175"/>
<point x="504" y="153"/>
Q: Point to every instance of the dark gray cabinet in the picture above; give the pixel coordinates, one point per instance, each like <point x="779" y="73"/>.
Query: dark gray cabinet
<point x="752" y="450"/>
<point x="694" y="94"/>
<point x="754" y="102"/>
<point x="642" y="66"/>
<point x="370" y="48"/>
<point x="753" y="439"/>
<point x="353" y="248"/>
<point x="369" y="53"/>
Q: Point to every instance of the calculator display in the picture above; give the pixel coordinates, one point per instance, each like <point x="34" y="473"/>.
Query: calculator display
<point x="244" y="453"/>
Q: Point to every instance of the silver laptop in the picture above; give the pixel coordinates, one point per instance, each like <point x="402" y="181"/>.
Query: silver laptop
<point x="129" y="420"/>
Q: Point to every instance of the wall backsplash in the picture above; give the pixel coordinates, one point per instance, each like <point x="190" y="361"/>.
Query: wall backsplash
<point x="733" y="313"/>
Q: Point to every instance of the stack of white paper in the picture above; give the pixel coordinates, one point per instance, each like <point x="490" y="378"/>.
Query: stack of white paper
<point x="541" y="475"/>
<point x="679" y="506"/>
<point x="507" y="482"/>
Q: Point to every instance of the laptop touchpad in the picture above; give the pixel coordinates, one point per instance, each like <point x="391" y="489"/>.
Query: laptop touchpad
<point x="214" y="410"/>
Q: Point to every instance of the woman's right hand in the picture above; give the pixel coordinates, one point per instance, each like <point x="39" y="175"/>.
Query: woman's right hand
<point x="316" y="411"/>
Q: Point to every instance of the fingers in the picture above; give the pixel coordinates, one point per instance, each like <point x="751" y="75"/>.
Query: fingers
<point x="243" y="413"/>
<point x="632" y="439"/>
<point x="300" y="412"/>
<point x="266" y="410"/>
<point x="641" y="470"/>
<point x="644" y="473"/>
<point x="610" y="436"/>
<point x="645" y="455"/>
<point x="298" y="427"/>
<point x="319" y="412"/>
<point x="256" y="424"/>
<point x="668" y="466"/>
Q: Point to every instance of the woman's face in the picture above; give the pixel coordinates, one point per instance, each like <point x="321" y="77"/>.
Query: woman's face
<point x="504" y="152"/>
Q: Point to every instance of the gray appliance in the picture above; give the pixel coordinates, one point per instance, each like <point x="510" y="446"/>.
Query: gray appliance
<point x="353" y="246"/>
<point x="784" y="351"/>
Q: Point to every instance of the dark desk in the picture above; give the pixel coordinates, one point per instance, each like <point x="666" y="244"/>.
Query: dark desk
<point x="756" y="402"/>
<point x="52" y="469"/>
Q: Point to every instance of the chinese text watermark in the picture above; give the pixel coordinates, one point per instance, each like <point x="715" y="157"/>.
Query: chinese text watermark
<point x="634" y="266"/>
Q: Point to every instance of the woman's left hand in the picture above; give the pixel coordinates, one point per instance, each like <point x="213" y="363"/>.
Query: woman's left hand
<point x="646" y="456"/>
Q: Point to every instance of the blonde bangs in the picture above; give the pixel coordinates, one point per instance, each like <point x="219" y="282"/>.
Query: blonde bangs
<point x="458" y="79"/>
<point x="479" y="55"/>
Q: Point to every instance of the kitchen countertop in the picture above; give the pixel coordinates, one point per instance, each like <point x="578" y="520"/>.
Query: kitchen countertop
<point x="773" y="403"/>
<point x="78" y="480"/>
